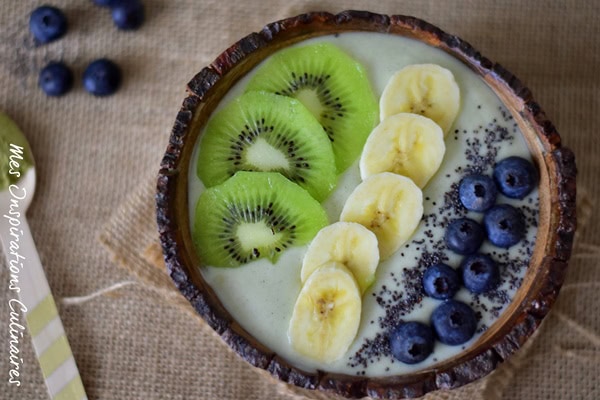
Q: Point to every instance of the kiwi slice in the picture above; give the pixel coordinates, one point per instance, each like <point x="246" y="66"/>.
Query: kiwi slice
<point x="333" y="86"/>
<point x="254" y="215"/>
<point x="261" y="131"/>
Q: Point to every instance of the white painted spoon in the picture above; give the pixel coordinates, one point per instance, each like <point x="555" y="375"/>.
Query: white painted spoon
<point x="29" y="293"/>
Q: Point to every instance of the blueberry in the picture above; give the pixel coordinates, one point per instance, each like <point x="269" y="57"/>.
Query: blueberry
<point x="505" y="225"/>
<point x="105" y="3"/>
<point x="55" y="79"/>
<point x="515" y="177"/>
<point x="441" y="281"/>
<point x="454" y="322"/>
<point x="480" y="273"/>
<point x="47" y="23"/>
<point x="411" y="342"/>
<point x="477" y="192"/>
<point x="464" y="236"/>
<point x="102" y="77"/>
<point x="127" y="14"/>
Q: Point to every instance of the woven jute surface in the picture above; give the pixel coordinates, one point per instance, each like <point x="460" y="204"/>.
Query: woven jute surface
<point x="92" y="216"/>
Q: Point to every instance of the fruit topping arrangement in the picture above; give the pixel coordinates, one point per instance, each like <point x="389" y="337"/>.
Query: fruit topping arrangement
<point x="305" y="115"/>
<point x="271" y="156"/>
<point x="454" y="322"/>
<point x="399" y="157"/>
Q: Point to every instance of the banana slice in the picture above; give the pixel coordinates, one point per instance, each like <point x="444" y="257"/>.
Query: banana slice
<point x="389" y="205"/>
<point x="405" y="144"/>
<point x="326" y="314"/>
<point x="425" y="89"/>
<point x="349" y="244"/>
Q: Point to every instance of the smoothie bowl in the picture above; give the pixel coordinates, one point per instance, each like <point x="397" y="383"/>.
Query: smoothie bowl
<point x="364" y="205"/>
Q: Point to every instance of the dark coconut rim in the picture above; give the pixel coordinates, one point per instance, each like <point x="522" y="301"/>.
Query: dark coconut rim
<point x="548" y="265"/>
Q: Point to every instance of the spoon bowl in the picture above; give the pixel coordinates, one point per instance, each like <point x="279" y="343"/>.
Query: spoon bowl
<point x="24" y="188"/>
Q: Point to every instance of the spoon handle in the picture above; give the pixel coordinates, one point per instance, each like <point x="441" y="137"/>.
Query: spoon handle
<point x="28" y="283"/>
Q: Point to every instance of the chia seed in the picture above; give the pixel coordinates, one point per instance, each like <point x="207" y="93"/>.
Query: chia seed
<point x="402" y="292"/>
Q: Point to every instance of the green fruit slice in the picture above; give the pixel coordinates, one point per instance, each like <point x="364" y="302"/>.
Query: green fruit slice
<point x="261" y="131"/>
<point x="333" y="86"/>
<point x="254" y="215"/>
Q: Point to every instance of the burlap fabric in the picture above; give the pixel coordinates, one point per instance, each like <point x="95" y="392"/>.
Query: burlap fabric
<point x="97" y="159"/>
